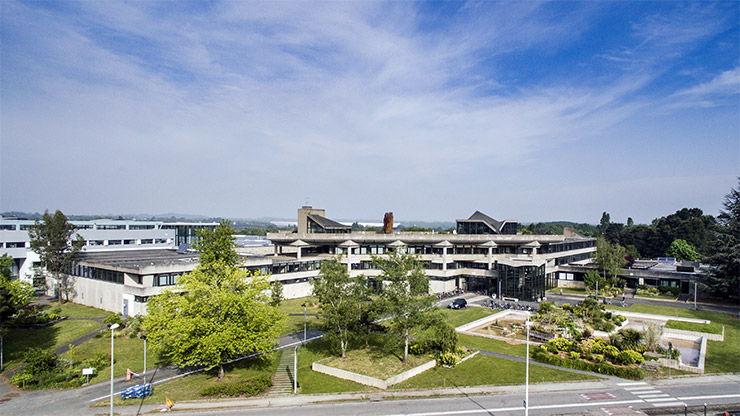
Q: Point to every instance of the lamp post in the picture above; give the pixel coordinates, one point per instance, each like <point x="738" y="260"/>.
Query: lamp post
<point x="144" y="338"/>
<point x="112" y="328"/>
<point x="526" y="383"/>
<point x="304" y="323"/>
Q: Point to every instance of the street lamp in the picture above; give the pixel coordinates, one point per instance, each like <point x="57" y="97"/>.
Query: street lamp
<point x="144" y="338"/>
<point x="112" y="328"/>
<point x="304" y="323"/>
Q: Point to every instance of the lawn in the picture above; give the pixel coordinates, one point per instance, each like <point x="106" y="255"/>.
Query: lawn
<point x="293" y="307"/>
<point x="712" y="328"/>
<point x="312" y="382"/>
<point x="128" y="353"/>
<point x="17" y="341"/>
<point x="464" y="316"/>
<point x="188" y="388"/>
<point x="722" y="357"/>
<point x="376" y="362"/>
<point x="483" y="370"/>
<point x="75" y="310"/>
<point x="493" y="345"/>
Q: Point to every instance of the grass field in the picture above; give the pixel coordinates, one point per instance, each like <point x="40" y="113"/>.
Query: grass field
<point x="376" y="362"/>
<point x="464" y="316"/>
<point x="712" y="328"/>
<point x="493" y="345"/>
<point x="722" y="357"/>
<point x="483" y="370"/>
<point x="188" y="388"/>
<point x="128" y="353"/>
<point x="293" y="307"/>
<point x="311" y="382"/>
<point x="17" y="341"/>
<point x="74" y="310"/>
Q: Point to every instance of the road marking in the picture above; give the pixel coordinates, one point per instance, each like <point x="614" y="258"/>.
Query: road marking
<point x="668" y="404"/>
<point x="663" y="399"/>
<point x="639" y="388"/>
<point x="641" y="393"/>
<point x="652" y="396"/>
<point x="519" y="408"/>
<point x="639" y="383"/>
<point x="719" y="396"/>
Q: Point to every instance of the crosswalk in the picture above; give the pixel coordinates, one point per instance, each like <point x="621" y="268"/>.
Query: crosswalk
<point x="651" y="394"/>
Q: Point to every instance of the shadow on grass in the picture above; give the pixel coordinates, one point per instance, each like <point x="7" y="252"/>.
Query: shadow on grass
<point x="17" y="341"/>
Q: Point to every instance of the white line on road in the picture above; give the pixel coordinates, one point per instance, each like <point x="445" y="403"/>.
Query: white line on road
<point x="652" y="396"/>
<point x="520" y="408"/>
<point x="633" y="389"/>
<point x="719" y="396"/>
<point x="641" y="393"/>
<point x="668" y="404"/>
<point x="664" y="399"/>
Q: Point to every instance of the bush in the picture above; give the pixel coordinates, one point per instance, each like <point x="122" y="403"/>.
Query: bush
<point x="675" y="291"/>
<point x="114" y="318"/>
<point x="599" y="367"/>
<point x="628" y="357"/>
<point x="447" y="359"/>
<point x="574" y="355"/>
<point x="239" y="387"/>
<point x="39" y="360"/>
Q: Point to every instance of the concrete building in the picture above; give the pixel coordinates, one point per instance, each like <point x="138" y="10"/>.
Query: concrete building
<point x="99" y="235"/>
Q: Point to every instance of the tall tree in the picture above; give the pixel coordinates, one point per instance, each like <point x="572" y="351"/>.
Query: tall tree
<point x="52" y="240"/>
<point x="682" y="250"/>
<point x="215" y="313"/>
<point x="404" y="295"/>
<point x="604" y="223"/>
<point x="14" y="296"/>
<point x="610" y="258"/>
<point x="593" y="279"/>
<point x="341" y="298"/>
<point x="723" y="278"/>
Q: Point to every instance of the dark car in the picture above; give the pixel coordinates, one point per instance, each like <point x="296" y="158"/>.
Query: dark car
<point x="458" y="304"/>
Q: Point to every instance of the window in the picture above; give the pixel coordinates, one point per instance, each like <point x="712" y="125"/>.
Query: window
<point x="166" y="279"/>
<point x="160" y="241"/>
<point x="141" y="227"/>
<point x="15" y="244"/>
<point x="114" y="242"/>
<point x="128" y="242"/>
<point x="7" y="227"/>
<point x="147" y="241"/>
<point x="110" y="227"/>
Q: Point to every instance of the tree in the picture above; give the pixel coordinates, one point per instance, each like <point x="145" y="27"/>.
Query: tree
<point x="682" y="250"/>
<point x="52" y="240"/>
<point x="404" y="295"/>
<point x="14" y="296"/>
<point x="604" y="222"/>
<point x="340" y="297"/>
<point x="276" y="293"/>
<point x="610" y="258"/>
<point x="723" y="278"/>
<point x="215" y="313"/>
<point x="630" y="222"/>
<point x="593" y="279"/>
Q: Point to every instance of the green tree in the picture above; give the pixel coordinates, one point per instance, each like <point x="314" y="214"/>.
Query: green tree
<point x="341" y="298"/>
<point x="215" y="313"/>
<point x="604" y="222"/>
<point x="52" y="240"/>
<point x="682" y="250"/>
<point x="723" y="278"/>
<point x="276" y="293"/>
<point x="14" y="296"/>
<point x="404" y="295"/>
<point x="610" y="258"/>
<point x="593" y="280"/>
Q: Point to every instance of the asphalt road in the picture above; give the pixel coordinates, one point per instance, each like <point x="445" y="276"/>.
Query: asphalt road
<point x="592" y="398"/>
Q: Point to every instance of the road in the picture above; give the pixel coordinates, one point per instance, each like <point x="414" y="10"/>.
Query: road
<point x="594" y="398"/>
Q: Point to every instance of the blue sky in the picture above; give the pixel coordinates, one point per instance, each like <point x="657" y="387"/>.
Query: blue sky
<point x="532" y="111"/>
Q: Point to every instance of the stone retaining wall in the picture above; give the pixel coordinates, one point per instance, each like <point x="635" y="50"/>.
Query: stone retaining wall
<point x="372" y="381"/>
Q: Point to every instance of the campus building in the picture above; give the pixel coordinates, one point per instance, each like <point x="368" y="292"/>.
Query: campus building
<point x="100" y="236"/>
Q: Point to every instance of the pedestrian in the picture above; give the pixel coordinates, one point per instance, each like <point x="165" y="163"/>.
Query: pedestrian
<point x="561" y="292"/>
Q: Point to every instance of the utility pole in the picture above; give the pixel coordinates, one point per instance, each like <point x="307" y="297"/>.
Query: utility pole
<point x="526" y="383"/>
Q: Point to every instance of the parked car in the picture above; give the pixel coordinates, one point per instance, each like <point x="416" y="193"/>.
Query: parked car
<point x="458" y="304"/>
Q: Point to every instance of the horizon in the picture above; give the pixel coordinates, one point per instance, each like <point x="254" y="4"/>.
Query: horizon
<point x="539" y="112"/>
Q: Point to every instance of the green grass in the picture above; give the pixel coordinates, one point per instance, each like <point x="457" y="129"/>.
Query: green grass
<point x="293" y="307"/>
<point x="663" y="296"/>
<point x="75" y="310"/>
<point x="712" y="328"/>
<point x="128" y="353"/>
<point x="312" y="382"/>
<point x="493" y="345"/>
<point x="188" y="388"/>
<point x="722" y="357"/>
<point x="376" y="362"/>
<point x="17" y="341"/>
<point x="483" y="370"/>
<point x="464" y="316"/>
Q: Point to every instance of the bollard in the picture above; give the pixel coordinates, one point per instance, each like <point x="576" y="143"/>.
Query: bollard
<point x="685" y="410"/>
<point x="705" y="409"/>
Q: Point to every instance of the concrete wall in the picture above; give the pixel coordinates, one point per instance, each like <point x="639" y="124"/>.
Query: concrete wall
<point x="683" y="334"/>
<point x="372" y="381"/>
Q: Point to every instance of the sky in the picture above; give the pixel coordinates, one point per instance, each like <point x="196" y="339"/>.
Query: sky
<point x="531" y="111"/>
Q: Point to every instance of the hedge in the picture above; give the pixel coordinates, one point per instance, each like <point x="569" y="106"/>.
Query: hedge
<point x="600" y="367"/>
<point x="239" y="387"/>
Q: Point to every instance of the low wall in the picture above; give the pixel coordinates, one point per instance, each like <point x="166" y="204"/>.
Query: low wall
<point x="681" y="333"/>
<point x="678" y="365"/>
<point x="638" y="315"/>
<point x="492" y="318"/>
<point x="571" y="283"/>
<point x="372" y="381"/>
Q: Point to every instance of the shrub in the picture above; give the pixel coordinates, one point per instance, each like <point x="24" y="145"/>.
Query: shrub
<point x="628" y="357"/>
<point x="598" y="357"/>
<point x="239" y="387"/>
<point x="611" y="351"/>
<point x="39" y="360"/>
<point x="447" y="359"/>
<point x="599" y="367"/>
<point x="574" y="355"/>
<point x="114" y="318"/>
